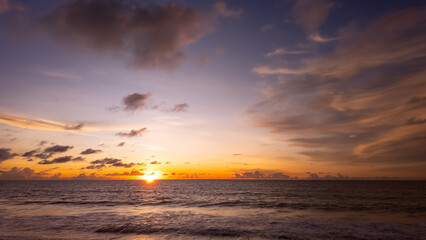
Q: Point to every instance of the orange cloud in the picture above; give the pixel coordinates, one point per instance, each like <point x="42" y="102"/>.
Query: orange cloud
<point x="40" y="123"/>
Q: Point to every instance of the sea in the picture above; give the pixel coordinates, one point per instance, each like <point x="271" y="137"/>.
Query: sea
<point x="212" y="209"/>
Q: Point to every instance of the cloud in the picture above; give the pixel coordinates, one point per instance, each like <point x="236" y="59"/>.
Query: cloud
<point x="41" y="143"/>
<point x="4" y="6"/>
<point x="183" y="107"/>
<point x="109" y="162"/>
<point x="8" y="5"/>
<point x="136" y="101"/>
<point x="313" y="176"/>
<point x="64" y="159"/>
<point x="220" y="9"/>
<point x="260" y="175"/>
<point x="311" y="14"/>
<point x="121" y="144"/>
<point x="132" y="173"/>
<point x="90" y="151"/>
<point x="57" y="149"/>
<point x="27" y="174"/>
<point x="316" y="37"/>
<point x="5" y="154"/>
<point x="132" y="133"/>
<point x="56" y="176"/>
<point x="30" y="153"/>
<point x="92" y="176"/>
<point x="278" y="71"/>
<point x="283" y="51"/>
<point x="155" y="162"/>
<point x="153" y="36"/>
<point x="361" y="104"/>
<point x="19" y="174"/>
<point x="78" y="126"/>
<point x="38" y="124"/>
<point x="50" y="151"/>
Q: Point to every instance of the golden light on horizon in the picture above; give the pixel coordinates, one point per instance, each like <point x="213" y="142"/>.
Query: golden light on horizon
<point x="150" y="178"/>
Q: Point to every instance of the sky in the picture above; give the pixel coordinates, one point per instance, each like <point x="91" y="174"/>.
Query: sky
<point x="286" y="89"/>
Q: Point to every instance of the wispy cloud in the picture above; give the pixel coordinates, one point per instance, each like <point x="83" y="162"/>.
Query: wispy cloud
<point x="39" y="123"/>
<point x="283" y="51"/>
<point x="316" y="37"/>
<point x="267" y="70"/>
<point x="221" y="9"/>
<point x="352" y="105"/>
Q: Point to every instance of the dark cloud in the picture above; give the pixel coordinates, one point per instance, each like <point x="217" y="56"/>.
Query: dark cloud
<point x="26" y="174"/>
<point x="315" y="176"/>
<point x="50" y="151"/>
<point x="29" y="153"/>
<point x="56" y="176"/>
<point x="136" y="101"/>
<point x="41" y="143"/>
<point x="57" y="149"/>
<point x="155" y="162"/>
<point x="362" y="104"/>
<point x="260" y="175"/>
<point x="152" y="35"/>
<point x="19" y="174"/>
<point x="121" y="144"/>
<point x="109" y="162"/>
<point x="90" y="151"/>
<point x="6" y="154"/>
<point x="64" y="159"/>
<point x="312" y="176"/>
<point x="183" y="107"/>
<point x="132" y="133"/>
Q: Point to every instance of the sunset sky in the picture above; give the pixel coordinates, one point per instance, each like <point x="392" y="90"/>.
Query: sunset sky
<point x="212" y="89"/>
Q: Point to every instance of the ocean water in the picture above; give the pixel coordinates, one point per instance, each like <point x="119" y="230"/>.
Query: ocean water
<point x="212" y="209"/>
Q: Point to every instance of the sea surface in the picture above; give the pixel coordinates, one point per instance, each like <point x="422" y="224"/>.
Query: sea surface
<point x="212" y="209"/>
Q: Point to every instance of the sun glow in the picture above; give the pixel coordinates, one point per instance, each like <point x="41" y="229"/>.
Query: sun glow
<point x="149" y="178"/>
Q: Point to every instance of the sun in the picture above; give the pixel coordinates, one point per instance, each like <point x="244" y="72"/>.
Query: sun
<point x="151" y="177"/>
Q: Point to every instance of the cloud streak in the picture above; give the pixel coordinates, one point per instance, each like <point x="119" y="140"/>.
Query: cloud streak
<point x="353" y="106"/>
<point x="38" y="124"/>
